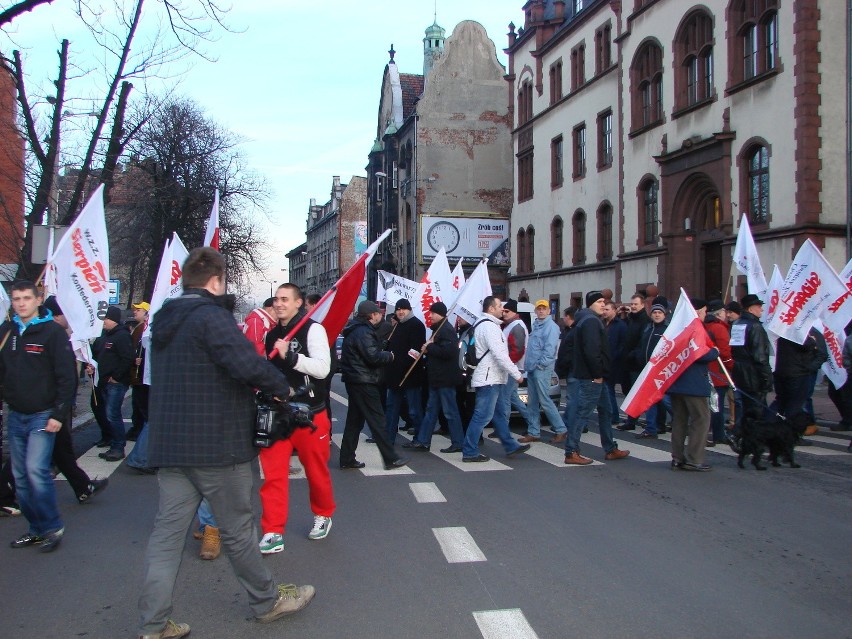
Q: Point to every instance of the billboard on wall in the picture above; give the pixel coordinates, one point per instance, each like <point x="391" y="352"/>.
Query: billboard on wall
<point x="360" y="247"/>
<point x="468" y="237"/>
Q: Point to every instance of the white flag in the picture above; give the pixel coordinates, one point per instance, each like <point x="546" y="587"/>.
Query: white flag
<point x="811" y="286"/>
<point x="833" y="329"/>
<point x="456" y="283"/>
<point x="211" y="235"/>
<point x="392" y="287"/>
<point x="50" y="284"/>
<point x="5" y="304"/>
<point x="434" y="287"/>
<point x="748" y="261"/>
<point x="468" y="304"/>
<point x="81" y="263"/>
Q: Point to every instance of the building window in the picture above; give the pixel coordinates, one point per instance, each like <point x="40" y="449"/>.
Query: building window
<point x="556" y="81"/>
<point x="525" y="176"/>
<point x="525" y="96"/>
<point x="604" y="232"/>
<point x="753" y="39"/>
<point x="758" y="185"/>
<point x="693" y="50"/>
<point x="578" y="66"/>
<point x="530" y="249"/>
<point x="603" y="48"/>
<point x="605" y="139"/>
<point x="579" y="222"/>
<point x="556" y="242"/>
<point x="646" y="78"/>
<point x="556" y="162"/>
<point x="580" y="151"/>
<point x="522" y="251"/>
<point x="648" y="205"/>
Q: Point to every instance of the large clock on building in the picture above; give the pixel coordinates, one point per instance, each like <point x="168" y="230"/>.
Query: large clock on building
<point x="444" y="234"/>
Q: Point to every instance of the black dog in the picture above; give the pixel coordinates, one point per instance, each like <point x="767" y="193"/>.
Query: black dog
<point x="778" y="437"/>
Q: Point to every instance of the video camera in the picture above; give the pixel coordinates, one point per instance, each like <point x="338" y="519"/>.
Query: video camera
<point x="276" y="420"/>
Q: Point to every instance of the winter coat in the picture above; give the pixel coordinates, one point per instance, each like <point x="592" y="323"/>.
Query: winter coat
<point x="693" y="381"/>
<point x="565" y="354"/>
<point x="442" y="358"/>
<point x="591" y="349"/>
<point x="361" y="359"/>
<point x="636" y="324"/>
<point x="517" y="335"/>
<point x="37" y="367"/>
<point x="800" y="360"/>
<point x="650" y="337"/>
<point x="847" y="354"/>
<point x="204" y="371"/>
<point x="409" y="334"/>
<point x="308" y="360"/>
<point x="751" y="359"/>
<point x="115" y="355"/>
<point x="616" y="335"/>
<point x="542" y="345"/>
<point x="721" y="337"/>
<point x="495" y="365"/>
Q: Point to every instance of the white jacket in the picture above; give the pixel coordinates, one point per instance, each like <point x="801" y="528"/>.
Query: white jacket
<point x="495" y="367"/>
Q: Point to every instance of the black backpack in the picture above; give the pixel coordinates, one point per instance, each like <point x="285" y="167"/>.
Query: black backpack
<point x="467" y="349"/>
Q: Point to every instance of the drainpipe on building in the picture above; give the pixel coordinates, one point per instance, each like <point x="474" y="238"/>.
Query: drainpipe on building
<point x="416" y="212"/>
<point x="848" y="130"/>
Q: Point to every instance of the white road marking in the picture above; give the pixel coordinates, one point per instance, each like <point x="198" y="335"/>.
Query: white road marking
<point x="369" y="454"/>
<point x="94" y="466"/>
<point x="455" y="459"/>
<point x="457" y="545"/>
<point x="427" y="493"/>
<point x="339" y="398"/>
<point x="553" y="455"/>
<point x="645" y="453"/>
<point x="504" y="624"/>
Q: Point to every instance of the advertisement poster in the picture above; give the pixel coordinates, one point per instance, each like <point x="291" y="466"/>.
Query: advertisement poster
<point x="465" y="237"/>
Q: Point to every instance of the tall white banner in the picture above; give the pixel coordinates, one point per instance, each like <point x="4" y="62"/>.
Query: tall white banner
<point x="748" y="261"/>
<point x="456" y="282"/>
<point x="811" y="287"/>
<point x="80" y="263"/>
<point x="833" y="329"/>
<point x="391" y="287"/>
<point x="434" y="287"/>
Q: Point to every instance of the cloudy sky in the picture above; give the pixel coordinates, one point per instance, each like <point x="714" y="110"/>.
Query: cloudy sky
<point x="299" y="80"/>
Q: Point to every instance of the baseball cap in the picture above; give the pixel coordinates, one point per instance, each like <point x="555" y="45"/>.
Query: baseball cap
<point x="145" y="306"/>
<point x="542" y="303"/>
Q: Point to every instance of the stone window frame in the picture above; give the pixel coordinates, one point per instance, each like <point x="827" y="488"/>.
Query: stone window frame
<point x="646" y="87"/>
<point x="693" y="45"/>
<point x="578" y="230"/>
<point x="557" y="228"/>
<point x="753" y="52"/>
<point x="749" y="149"/>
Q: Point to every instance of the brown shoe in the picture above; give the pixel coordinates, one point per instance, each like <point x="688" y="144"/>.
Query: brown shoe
<point x="198" y="533"/>
<point x="171" y="631"/>
<point x="812" y="429"/>
<point x="211" y="545"/>
<point x="577" y="459"/>
<point x="615" y="453"/>
<point x="526" y="439"/>
<point x="560" y="438"/>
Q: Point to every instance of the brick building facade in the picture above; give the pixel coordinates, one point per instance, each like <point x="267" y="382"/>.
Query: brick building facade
<point x="11" y="179"/>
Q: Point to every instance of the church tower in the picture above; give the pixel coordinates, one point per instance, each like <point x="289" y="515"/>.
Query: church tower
<point x="433" y="46"/>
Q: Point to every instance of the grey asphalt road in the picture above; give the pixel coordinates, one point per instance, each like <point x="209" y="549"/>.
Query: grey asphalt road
<point x="530" y="549"/>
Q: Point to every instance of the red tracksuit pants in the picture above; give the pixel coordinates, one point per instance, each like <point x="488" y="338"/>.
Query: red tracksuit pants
<point x="313" y="449"/>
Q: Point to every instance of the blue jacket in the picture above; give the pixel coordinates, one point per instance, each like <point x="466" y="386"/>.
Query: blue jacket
<point x="542" y="344"/>
<point x="694" y="380"/>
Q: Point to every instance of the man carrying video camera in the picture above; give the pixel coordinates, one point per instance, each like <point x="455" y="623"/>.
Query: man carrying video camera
<point x="305" y="360"/>
<point x="201" y="417"/>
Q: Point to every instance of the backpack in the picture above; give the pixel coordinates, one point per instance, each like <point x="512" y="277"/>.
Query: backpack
<point x="467" y="349"/>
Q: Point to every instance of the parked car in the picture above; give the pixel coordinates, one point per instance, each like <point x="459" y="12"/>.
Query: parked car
<point x="555" y="392"/>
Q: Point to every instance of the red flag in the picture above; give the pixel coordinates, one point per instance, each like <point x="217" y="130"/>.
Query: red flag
<point x="211" y="236"/>
<point x="335" y="307"/>
<point x="683" y="342"/>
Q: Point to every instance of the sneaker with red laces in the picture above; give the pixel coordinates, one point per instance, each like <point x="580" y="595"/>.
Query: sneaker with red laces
<point x="577" y="459"/>
<point x="615" y="453"/>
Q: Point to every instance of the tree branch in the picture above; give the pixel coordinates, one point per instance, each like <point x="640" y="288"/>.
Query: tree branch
<point x="15" y="10"/>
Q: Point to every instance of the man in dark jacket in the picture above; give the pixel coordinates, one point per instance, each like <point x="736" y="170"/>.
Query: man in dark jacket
<point x="690" y="410"/>
<point x="637" y="320"/>
<point x="408" y="337"/>
<point x="361" y="360"/>
<point x="795" y="365"/>
<point x="591" y="368"/>
<point x="750" y="350"/>
<point x="616" y="335"/>
<point x="202" y="413"/>
<point x="38" y="379"/>
<point x="114" y="356"/>
<point x="443" y="374"/>
<point x="655" y="417"/>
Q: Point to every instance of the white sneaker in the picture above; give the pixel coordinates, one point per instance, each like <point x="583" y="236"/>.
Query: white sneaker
<point x="271" y="543"/>
<point x="322" y="525"/>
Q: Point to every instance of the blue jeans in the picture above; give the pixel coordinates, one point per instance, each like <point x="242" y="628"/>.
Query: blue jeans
<point x="590" y="396"/>
<point x="31" y="451"/>
<point x="205" y="515"/>
<point x="394" y="406"/>
<point x="488" y="409"/>
<point x="538" y="385"/>
<point x="113" y="395"/>
<point x="652" y="415"/>
<point x="610" y="388"/>
<point x="717" y="420"/>
<point x="572" y="397"/>
<point x="510" y="394"/>
<point x="441" y="398"/>
<point x="138" y="457"/>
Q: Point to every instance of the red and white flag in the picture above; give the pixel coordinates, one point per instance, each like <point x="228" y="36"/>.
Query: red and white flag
<point x="811" y="287"/>
<point x="434" y="287"/>
<point x="684" y="341"/>
<point x="335" y="307"/>
<point x="80" y="265"/>
<point x="748" y="261"/>
<point x="211" y="236"/>
<point x="833" y="329"/>
<point x="468" y="304"/>
<point x="456" y="282"/>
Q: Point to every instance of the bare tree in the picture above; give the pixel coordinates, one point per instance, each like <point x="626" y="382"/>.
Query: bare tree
<point x="19" y="8"/>
<point x="180" y="158"/>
